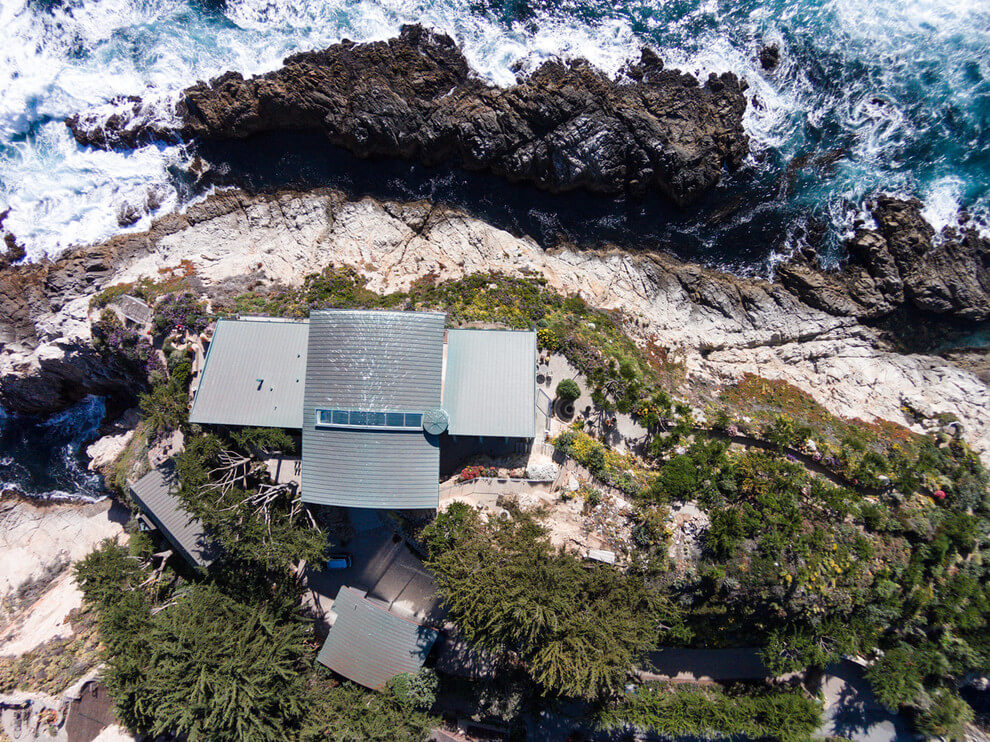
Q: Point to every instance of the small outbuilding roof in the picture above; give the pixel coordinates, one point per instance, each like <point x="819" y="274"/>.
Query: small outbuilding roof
<point x="369" y="645"/>
<point x="134" y="309"/>
<point x="489" y="385"/>
<point x="386" y="363"/>
<point x="154" y="494"/>
<point x="255" y="375"/>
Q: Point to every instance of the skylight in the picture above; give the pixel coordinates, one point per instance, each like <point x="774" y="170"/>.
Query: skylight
<point x="369" y="419"/>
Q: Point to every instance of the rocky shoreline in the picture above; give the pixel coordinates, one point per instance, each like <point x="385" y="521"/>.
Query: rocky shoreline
<point x="719" y="326"/>
<point x="566" y="126"/>
<point x="901" y="263"/>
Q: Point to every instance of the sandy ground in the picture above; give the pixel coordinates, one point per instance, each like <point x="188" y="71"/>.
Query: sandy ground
<point x="44" y="620"/>
<point x="38" y="545"/>
<point x="853" y="712"/>
<point x="570" y="524"/>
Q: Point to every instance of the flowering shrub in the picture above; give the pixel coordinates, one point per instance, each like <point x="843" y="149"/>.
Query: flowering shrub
<point x="469" y="473"/>
<point x="111" y="337"/>
<point x="548" y="339"/>
<point x="621" y="471"/>
<point x="473" y="472"/>
<point x="180" y="311"/>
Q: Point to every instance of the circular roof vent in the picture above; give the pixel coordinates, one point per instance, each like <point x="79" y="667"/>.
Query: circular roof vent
<point x="435" y="421"/>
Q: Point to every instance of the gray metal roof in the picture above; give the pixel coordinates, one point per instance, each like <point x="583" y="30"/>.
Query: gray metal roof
<point x="153" y="493"/>
<point x="255" y="375"/>
<point x="375" y="361"/>
<point x="369" y="645"/>
<point x="134" y="309"/>
<point x="490" y="383"/>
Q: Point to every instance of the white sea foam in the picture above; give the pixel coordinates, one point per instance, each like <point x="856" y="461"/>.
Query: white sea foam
<point x="863" y="77"/>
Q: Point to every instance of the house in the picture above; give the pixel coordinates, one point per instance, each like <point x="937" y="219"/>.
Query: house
<point x="161" y="511"/>
<point x="369" y="645"/>
<point x="376" y="395"/>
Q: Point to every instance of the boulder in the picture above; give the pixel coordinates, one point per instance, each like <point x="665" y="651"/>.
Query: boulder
<point x="899" y="264"/>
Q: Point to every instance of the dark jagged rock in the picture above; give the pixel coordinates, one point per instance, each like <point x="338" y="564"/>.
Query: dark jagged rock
<point x="14" y="251"/>
<point x="32" y="293"/>
<point x="58" y="383"/>
<point x="899" y="264"/>
<point x="565" y="126"/>
<point x="770" y="57"/>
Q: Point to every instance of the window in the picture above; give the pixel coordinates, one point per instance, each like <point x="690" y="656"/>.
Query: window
<point x="368" y="419"/>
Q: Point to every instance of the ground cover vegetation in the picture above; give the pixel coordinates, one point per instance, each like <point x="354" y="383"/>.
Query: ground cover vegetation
<point x="56" y="664"/>
<point x="828" y="536"/>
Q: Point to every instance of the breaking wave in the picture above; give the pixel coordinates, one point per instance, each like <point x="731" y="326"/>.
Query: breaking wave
<point x="868" y="95"/>
<point x="45" y="457"/>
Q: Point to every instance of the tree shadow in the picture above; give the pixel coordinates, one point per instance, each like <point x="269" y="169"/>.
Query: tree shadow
<point x="857" y="714"/>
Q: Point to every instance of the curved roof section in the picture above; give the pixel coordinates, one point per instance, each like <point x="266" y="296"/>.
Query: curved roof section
<point x="255" y="374"/>
<point x="369" y="645"/>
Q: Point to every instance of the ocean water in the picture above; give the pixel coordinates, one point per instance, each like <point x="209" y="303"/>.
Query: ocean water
<point x="45" y="458"/>
<point x="870" y="95"/>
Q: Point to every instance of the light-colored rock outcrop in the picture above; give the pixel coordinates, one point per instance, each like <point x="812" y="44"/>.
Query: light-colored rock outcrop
<point x="720" y="325"/>
<point x="38" y="544"/>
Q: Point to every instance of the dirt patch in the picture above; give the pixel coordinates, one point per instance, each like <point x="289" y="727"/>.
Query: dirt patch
<point x="45" y="619"/>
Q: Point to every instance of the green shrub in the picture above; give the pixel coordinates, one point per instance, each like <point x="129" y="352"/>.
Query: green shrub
<point x="206" y="667"/>
<point x="568" y="390"/>
<point x="946" y="716"/>
<point x="415" y="690"/>
<point x="725" y="533"/>
<point x="344" y="712"/>
<point x="165" y="407"/>
<point x="897" y="677"/>
<point x="680" y="711"/>
<point x="577" y="630"/>
<point x="449" y="527"/>
<point x="679" y="478"/>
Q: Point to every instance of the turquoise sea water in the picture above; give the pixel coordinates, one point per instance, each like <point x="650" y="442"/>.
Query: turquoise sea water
<point x="877" y="95"/>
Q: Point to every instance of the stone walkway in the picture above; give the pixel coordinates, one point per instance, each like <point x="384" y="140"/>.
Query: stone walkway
<point x="626" y="435"/>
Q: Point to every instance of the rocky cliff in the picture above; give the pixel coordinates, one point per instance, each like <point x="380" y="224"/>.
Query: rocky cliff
<point x="720" y="326"/>
<point x="565" y="126"/>
<point x="901" y="263"/>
